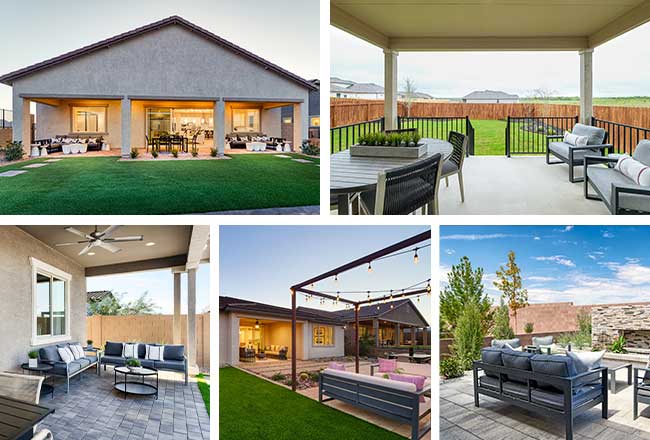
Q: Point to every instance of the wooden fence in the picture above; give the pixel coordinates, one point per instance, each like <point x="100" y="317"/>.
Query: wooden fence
<point x="150" y="329"/>
<point x="524" y="339"/>
<point x="352" y="111"/>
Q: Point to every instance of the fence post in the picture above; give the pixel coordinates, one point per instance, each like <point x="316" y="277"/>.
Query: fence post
<point x="508" y="137"/>
<point x="383" y="123"/>
<point x="593" y="121"/>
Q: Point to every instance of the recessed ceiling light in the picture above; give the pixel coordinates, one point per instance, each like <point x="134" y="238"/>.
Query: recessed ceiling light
<point x="91" y="253"/>
<point x="151" y="243"/>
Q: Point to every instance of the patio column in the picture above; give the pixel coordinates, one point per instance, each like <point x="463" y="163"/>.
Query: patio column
<point x="586" y="86"/>
<point x="126" y="127"/>
<point x="22" y="123"/>
<point x="300" y="125"/>
<point x="375" y="327"/>
<point x="390" y="89"/>
<point x="356" y="338"/>
<point x="293" y="340"/>
<point x="177" y="308"/>
<point x="398" y="339"/>
<point x="413" y="334"/>
<point x="191" y="319"/>
<point x="220" y="127"/>
<point x="425" y="338"/>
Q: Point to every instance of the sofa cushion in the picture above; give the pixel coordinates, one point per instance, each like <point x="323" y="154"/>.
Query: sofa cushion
<point x="387" y="365"/>
<point x="49" y="353"/>
<point x="130" y="350"/>
<point x="419" y="381"/>
<point x="555" y="399"/>
<point x="155" y="352"/>
<point x="59" y="368"/>
<point x="516" y="388"/>
<point x="491" y="356"/>
<point x="539" y="341"/>
<point x="91" y="358"/>
<point x="586" y="360"/>
<point x="174" y="352"/>
<point x="501" y="343"/>
<point x="336" y="366"/>
<point x="562" y="150"/>
<point x="374" y="380"/>
<point x="634" y="170"/>
<point x="602" y="178"/>
<point x="489" y="382"/>
<point x="574" y="139"/>
<point x="66" y="354"/>
<point x="642" y="152"/>
<point x="552" y="365"/>
<point x="83" y="362"/>
<point x="596" y="135"/>
<point x="169" y="365"/>
<point x="113" y="349"/>
<point x="517" y="359"/>
<point x="113" y="360"/>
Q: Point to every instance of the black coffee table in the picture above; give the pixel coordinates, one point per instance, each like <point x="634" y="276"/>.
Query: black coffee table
<point x="137" y="387"/>
<point x="41" y="369"/>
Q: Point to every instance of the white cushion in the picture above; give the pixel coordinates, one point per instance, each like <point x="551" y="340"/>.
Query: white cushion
<point x="586" y="360"/>
<point x="376" y="380"/>
<point x="77" y="351"/>
<point x="633" y="169"/>
<point x="155" y="352"/>
<point x="66" y="354"/>
<point x="572" y="139"/>
<point x="520" y="348"/>
<point x="130" y="351"/>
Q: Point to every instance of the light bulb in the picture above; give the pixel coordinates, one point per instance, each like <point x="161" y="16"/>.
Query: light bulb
<point x="429" y="288"/>
<point x="336" y="278"/>
<point x="415" y="257"/>
<point x="369" y="268"/>
<point x="418" y="298"/>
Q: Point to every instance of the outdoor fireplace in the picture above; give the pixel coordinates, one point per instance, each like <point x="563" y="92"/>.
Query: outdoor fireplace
<point x="630" y="321"/>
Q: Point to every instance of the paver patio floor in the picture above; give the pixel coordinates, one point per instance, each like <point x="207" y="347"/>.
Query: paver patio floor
<point x="93" y="410"/>
<point x="460" y="419"/>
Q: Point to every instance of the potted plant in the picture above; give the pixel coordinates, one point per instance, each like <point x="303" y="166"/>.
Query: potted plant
<point x="404" y="144"/>
<point x="133" y="364"/>
<point x="89" y="344"/>
<point x="33" y="359"/>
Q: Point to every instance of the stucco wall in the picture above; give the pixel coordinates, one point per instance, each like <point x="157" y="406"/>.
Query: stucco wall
<point x="16" y="248"/>
<point x="279" y="333"/>
<point x="271" y="120"/>
<point x="314" y="352"/>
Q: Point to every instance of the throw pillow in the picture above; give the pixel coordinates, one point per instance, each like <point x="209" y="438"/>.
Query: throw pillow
<point x="77" y="351"/>
<point x="418" y="381"/>
<point x="572" y="139"/>
<point x="155" y="352"/>
<point x="336" y="366"/>
<point x="387" y="365"/>
<point x="130" y="351"/>
<point x="586" y="360"/>
<point x="66" y="354"/>
<point x="634" y="170"/>
<point x="520" y="348"/>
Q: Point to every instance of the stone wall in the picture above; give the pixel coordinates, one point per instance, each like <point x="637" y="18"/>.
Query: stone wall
<point x="5" y="136"/>
<point x="609" y="322"/>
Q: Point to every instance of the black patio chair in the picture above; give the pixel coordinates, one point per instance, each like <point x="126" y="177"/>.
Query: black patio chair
<point x="192" y="141"/>
<point x="454" y="165"/>
<point x="164" y="140"/>
<point x="177" y="141"/>
<point x="151" y="142"/>
<point x="641" y="389"/>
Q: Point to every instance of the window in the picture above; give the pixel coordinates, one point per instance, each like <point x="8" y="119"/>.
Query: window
<point x="314" y="121"/>
<point x="287" y="120"/>
<point x="246" y="120"/>
<point x="89" y="119"/>
<point x="51" y="304"/>
<point x="323" y="335"/>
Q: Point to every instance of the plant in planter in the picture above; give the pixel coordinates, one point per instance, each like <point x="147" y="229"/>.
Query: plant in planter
<point x="195" y="151"/>
<point x="134" y="153"/>
<point x="154" y="154"/>
<point x="389" y="145"/>
<point x="89" y="343"/>
<point x="619" y="345"/>
<point x="175" y="152"/>
<point x="133" y="364"/>
<point x="213" y="152"/>
<point x="528" y="327"/>
<point x="33" y="358"/>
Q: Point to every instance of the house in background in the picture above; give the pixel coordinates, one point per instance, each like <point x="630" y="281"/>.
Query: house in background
<point x="157" y="78"/>
<point x="314" y="115"/>
<point x="342" y="88"/>
<point x="490" y="97"/>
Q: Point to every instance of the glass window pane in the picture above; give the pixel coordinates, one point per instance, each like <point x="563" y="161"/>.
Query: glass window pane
<point x="246" y="120"/>
<point x="42" y="305"/>
<point x="89" y="119"/>
<point x="58" y="307"/>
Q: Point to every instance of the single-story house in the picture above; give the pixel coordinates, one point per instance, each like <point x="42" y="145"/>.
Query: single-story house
<point x="161" y="77"/>
<point x="342" y="88"/>
<point x="44" y="283"/>
<point x="258" y="326"/>
<point x="314" y="114"/>
<point x="490" y="97"/>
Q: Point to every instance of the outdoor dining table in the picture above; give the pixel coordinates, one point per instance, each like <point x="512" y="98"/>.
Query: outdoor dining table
<point x="417" y="358"/>
<point x="18" y="418"/>
<point x="355" y="174"/>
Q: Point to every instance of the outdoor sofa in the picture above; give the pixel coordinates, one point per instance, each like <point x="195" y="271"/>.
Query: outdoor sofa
<point x="618" y="192"/>
<point x="641" y="389"/>
<point x="279" y="351"/>
<point x="50" y="355"/>
<point x="574" y="155"/>
<point x="389" y="398"/>
<point x="55" y="144"/>
<point x="546" y="384"/>
<point x="174" y="358"/>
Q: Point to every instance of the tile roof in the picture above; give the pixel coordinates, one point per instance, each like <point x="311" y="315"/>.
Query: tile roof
<point x="98" y="295"/>
<point x="489" y="94"/>
<point x="227" y="303"/>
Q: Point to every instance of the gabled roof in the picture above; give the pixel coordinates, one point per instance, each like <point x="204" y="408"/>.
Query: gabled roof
<point x="371" y="311"/>
<point x="230" y="304"/>
<point x="173" y="20"/>
<point x="490" y="94"/>
<point x="98" y="295"/>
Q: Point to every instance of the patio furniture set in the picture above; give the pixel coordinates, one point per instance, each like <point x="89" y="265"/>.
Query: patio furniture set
<point x="257" y="142"/>
<point x="393" y="185"/>
<point x="249" y="354"/>
<point x="68" y="145"/>
<point x="20" y="409"/>
<point x="620" y="181"/>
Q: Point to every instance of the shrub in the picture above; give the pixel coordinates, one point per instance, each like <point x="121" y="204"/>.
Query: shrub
<point x="528" y="327"/>
<point x="194" y="151"/>
<point x="133" y="363"/>
<point x="175" y="152"/>
<point x="314" y="376"/>
<point x="451" y="367"/>
<point x="213" y="152"/>
<point x="134" y="153"/>
<point x="304" y="376"/>
<point x="584" y="322"/>
<point x="390" y="139"/>
<point x="154" y="153"/>
<point x="309" y="148"/>
<point x="33" y="354"/>
<point x="89" y="342"/>
<point x="468" y="336"/>
<point x="618" y="346"/>
<point x="278" y="377"/>
<point x="365" y="343"/>
<point x="502" y="329"/>
<point x="14" y="151"/>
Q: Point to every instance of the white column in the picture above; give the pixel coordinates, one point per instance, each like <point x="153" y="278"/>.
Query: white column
<point x="300" y="124"/>
<point x="586" y="86"/>
<point x="191" y="320"/>
<point x="22" y="123"/>
<point x="177" y="308"/>
<point x="126" y="127"/>
<point x="220" y="127"/>
<point x="390" y="89"/>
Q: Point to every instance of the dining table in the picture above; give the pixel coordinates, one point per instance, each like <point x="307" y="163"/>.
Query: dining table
<point x="350" y="175"/>
<point x="18" y="418"/>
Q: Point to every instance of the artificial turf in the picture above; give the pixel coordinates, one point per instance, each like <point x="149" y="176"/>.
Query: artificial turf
<point x="253" y="408"/>
<point x="204" y="388"/>
<point x="106" y="185"/>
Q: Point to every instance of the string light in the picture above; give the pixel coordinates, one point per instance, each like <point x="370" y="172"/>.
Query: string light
<point x="336" y="278"/>
<point x="369" y="267"/>
<point x="415" y="257"/>
<point x="418" y="298"/>
<point x="369" y="301"/>
<point x="403" y="293"/>
<point x="337" y="296"/>
<point x="392" y="306"/>
<point x="429" y="288"/>
<point x="391" y="295"/>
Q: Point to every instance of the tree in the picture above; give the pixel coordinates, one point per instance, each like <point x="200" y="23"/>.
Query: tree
<point x="509" y="283"/>
<point x="502" y="329"/>
<point x="465" y="287"/>
<point x="544" y="95"/>
<point x="113" y="305"/>
<point x="468" y="336"/>
<point x="409" y="94"/>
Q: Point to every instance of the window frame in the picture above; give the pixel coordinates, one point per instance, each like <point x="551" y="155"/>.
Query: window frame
<point x="72" y="119"/>
<point x="247" y="109"/>
<point x="313" y="336"/>
<point x="40" y="267"/>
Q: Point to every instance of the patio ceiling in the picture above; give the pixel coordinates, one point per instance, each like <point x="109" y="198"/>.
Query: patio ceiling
<point x="439" y="25"/>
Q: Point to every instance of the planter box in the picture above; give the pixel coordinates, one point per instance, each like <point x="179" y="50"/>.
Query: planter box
<point x="382" y="151"/>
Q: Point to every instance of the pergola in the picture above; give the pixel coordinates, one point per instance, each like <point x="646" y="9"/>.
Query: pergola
<point x="366" y="260"/>
<point x="488" y="25"/>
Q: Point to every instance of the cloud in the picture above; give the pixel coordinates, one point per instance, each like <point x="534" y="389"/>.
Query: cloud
<point x="537" y="238"/>
<point x="541" y="279"/>
<point x="559" y="259"/>
<point x="450" y="251"/>
<point x="567" y="228"/>
<point x="607" y="234"/>
<point x="473" y="237"/>
<point x="597" y="255"/>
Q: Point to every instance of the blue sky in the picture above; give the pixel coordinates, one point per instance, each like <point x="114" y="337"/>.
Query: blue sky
<point x="261" y="263"/>
<point x="159" y="284"/>
<point x="620" y="68"/>
<point x="35" y="30"/>
<point x="582" y="264"/>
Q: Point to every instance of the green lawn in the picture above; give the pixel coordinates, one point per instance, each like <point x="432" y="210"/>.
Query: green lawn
<point x="204" y="388"/>
<point x="628" y="101"/>
<point x="253" y="408"/>
<point x="104" y="185"/>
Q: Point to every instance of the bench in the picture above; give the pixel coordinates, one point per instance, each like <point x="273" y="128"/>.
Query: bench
<point x="49" y="355"/>
<point x="389" y="398"/>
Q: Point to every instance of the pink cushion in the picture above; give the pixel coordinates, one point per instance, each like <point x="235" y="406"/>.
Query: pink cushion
<point x="336" y="366"/>
<point x="387" y="365"/>
<point x="417" y="380"/>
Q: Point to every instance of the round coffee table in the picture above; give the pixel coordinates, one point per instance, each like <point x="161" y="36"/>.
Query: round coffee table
<point x="137" y="387"/>
<point x="41" y="369"/>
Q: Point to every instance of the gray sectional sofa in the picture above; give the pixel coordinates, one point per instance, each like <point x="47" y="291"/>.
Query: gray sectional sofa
<point x="173" y="355"/>
<point x="546" y="384"/>
<point x="572" y="155"/>
<point x="50" y="355"/>
<point x="619" y="193"/>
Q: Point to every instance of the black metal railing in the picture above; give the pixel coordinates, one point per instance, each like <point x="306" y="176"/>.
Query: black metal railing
<point x="342" y="137"/>
<point x="623" y="137"/>
<point x="438" y="127"/>
<point x="527" y="134"/>
<point x="6" y="118"/>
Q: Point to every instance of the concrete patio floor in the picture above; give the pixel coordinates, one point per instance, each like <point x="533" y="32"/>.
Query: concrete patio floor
<point x="93" y="410"/>
<point x="516" y="185"/>
<point x="460" y="419"/>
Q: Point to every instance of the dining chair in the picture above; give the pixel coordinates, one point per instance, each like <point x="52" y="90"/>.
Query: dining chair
<point x="454" y="165"/>
<point x="43" y="434"/>
<point x="21" y="387"/>
<point x="150" y="143"/>
<point x="404" y="190"/>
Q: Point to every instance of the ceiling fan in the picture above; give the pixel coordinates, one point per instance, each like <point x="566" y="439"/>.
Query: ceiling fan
<point x="102" y="239"/>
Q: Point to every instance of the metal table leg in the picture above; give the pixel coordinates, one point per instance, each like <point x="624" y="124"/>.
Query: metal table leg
<point x="343" y="204"/>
